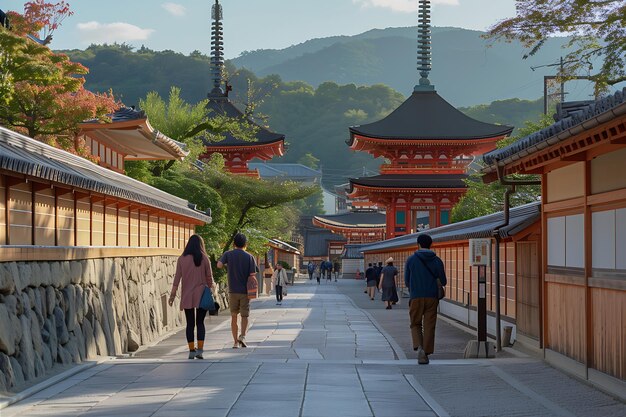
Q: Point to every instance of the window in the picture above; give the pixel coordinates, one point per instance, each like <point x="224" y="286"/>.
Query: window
<point x="400" y="217"/>
<point x="609" y="239"/>
<point x="566" y="241"/>
<point x="445" y="217"/>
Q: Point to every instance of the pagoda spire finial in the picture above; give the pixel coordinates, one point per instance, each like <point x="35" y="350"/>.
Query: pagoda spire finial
<point x="424" y="53"/>
<point x="217" y="50"/>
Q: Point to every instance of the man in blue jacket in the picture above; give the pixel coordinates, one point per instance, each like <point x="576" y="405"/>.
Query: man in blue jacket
<point x="421" y="272"/>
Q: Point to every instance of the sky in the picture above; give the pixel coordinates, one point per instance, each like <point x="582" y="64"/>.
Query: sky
<point x="184" y="25"/>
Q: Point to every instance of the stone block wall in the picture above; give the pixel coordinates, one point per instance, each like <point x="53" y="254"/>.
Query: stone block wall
<point x="68" y="311"/>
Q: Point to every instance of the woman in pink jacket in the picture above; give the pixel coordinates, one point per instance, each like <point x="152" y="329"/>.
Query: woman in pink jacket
<point x="194" y="269"/>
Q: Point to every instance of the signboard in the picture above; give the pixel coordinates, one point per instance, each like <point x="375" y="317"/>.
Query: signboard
<point x="480" y="252"/>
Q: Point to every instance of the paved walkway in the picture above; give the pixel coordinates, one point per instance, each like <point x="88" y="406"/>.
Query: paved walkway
<point x="319" y="354"/>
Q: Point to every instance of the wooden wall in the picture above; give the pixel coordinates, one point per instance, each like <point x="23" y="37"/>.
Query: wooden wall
<point x="585" y="264"/>
<point x="33" y="213"/>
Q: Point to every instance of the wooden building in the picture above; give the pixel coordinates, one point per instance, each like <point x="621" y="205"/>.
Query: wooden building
<point x="429" y="144"/>
<point x="519" y="268"/>
<point x="583" y="258"/>
<point x="236" y="151"/>
<point x="53" y="199"/>
<point x="128" y="137"/>
<point x="357" y="226"/>
<point x="280" y="251"/>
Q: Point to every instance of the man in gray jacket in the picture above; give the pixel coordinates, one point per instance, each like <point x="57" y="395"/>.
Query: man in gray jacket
<point x="422" y="271"/>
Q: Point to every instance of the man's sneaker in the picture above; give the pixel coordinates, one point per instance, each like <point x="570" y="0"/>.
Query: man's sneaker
<point x="199" y="353"/>
<point x="242" y="341"/>
<point x="422" y="358"/>
<point x="192" y="354"/>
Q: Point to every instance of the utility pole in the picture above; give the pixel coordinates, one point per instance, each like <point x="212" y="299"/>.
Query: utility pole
<point x="548" y="78"/>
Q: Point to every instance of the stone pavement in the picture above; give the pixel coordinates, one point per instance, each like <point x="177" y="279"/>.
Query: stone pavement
<point x="318" y="354"/>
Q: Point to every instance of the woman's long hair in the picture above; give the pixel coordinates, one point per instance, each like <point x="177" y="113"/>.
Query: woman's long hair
<point x="195" y="248"/>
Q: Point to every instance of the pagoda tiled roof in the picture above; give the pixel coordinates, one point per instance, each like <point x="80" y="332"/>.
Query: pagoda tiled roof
<point x="361" y="219"/>
<point x="221" y="105"/>
<point x="412" y="181"/>
<point x="521" y="218"/>
<point x="425" y="115"/>
<point x="572" y="118"/>
<point x="26" y="156"/>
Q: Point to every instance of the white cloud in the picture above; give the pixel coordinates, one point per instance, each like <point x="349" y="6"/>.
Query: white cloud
<point x="406" y="6"/>
<point x="96" y="32"/>
<point x="175" y="9"/>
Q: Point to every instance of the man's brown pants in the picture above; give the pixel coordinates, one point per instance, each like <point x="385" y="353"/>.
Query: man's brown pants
<point x="423" y="333"/>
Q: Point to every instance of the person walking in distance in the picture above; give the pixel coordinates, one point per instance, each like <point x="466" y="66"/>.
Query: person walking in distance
<point x="321" y="271"/>
<point x="311" y="270"/>
<point x="388" y="283"/>
<point x="241" y="267"/>
<point x="280" y="280"/>
<point x="329" y="271"/>
<point x="424" y="272"/>
<point x="370" y="277"/>
<point x="268" y="273"/>
<point x="193" y="268"/>
<point x="337" y="269"/>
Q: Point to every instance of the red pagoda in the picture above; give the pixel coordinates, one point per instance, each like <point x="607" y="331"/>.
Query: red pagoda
<point x="236" y="151"/>
<point x="429" y="145"/>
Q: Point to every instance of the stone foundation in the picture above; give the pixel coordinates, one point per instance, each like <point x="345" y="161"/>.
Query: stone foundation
<point x="66" y="312"/>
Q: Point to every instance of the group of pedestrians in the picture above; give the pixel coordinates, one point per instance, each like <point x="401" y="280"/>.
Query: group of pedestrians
<point x="326" y="269"/>
<point x="424" y="276"/>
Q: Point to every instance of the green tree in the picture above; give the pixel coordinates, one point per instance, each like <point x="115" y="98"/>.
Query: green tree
<point x="309" y="160"/>
<point x="259" y="208"/>
<point x="483" y="199"/>
<point x="42" y="91"/>
<point x="597" y="30"/>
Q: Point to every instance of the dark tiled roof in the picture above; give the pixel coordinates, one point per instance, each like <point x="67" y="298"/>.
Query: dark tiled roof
<point x="30" y="157"/>
<point x="286" y="171"/>
<point x="412" y="181"/>
<point x="481" y="227"/>
<point x="316" y="242"/>
<point x="123" y="114"/>
<point x="363" y="219"/>
<point x="284" y="246"/>
<point x="353" y="252"/>
<point x="427" y="116"/>
<point x="571" y="119"/>
<point x="223" y="106"/>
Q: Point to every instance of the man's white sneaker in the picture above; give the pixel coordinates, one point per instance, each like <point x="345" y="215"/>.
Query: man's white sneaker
<point x="242" y="341"/>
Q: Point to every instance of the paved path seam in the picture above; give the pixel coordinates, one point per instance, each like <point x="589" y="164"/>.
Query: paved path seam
<point x="512" y="381"/>
<point x="428" y="399"/>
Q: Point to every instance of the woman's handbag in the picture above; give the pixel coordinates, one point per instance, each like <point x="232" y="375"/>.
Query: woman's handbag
<point x="206" y="301"/>
<point x="216" y="311"/>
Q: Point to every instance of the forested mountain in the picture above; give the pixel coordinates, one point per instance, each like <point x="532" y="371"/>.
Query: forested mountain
<point x="467" y="69"/>
<point x="314" y="119"/>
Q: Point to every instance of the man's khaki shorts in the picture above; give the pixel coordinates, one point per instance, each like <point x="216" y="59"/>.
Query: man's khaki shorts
<point x="239" y="304"/>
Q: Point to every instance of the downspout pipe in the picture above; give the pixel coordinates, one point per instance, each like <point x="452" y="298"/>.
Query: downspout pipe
<point x="511" y="189"/>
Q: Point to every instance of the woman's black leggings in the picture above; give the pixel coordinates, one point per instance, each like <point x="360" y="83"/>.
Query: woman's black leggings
<point x="195" y="316"/>
<point x="279" y="293"/>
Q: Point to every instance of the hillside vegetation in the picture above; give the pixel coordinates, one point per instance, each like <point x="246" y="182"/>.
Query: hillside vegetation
<point x="314" y="119"/>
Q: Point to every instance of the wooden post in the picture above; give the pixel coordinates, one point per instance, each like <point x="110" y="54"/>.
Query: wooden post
<point x="7" y="212"/>
<point x="33" y="224"/>
<point x="90" y="220"/>
<point x="56" y="216"/>
<point x="544" y="264"/>
<point x="588" y="272"/>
